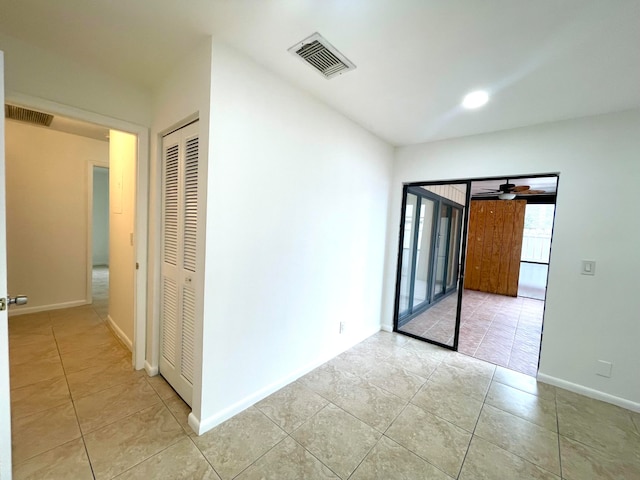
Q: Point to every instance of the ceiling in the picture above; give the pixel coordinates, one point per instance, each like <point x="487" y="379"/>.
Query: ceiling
<point x="541" y="61"/>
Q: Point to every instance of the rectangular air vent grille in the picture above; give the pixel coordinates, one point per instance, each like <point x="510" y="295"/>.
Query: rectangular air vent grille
<point x="25" y="115"/>
<point x="322" y="56"/>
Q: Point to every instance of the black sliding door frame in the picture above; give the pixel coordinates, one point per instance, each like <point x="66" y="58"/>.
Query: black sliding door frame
<point x="431" y="296"/>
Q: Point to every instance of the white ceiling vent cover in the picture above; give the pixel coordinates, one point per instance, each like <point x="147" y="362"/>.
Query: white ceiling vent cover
<point x="321" y="55"/>
<point x="25" y="115"/>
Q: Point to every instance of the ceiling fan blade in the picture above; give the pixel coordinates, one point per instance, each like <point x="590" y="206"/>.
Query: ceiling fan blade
<point x="520" y="188"/>
<point x="532" y="192"/>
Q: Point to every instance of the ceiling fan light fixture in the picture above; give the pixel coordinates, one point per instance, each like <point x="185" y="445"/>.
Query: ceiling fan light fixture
<point x="475" y="99"/>
<point x="507" y="196"/>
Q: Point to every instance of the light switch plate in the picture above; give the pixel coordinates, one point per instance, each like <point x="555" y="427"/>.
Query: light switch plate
<point x="588" y="267"/>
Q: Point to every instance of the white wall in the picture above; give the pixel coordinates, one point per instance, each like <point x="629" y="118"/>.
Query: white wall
<point x="38" y="73"/>
<point x="47" y="214"/>
<point x="586" y="318"/>
<point x="122" y="181"/>
<point x="100" y="216"/>
<point x="296" y="222"/>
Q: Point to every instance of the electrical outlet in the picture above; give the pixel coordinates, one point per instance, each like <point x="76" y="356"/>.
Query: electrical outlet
<point x="342" y="326"/>
<point x="604" y="368"/>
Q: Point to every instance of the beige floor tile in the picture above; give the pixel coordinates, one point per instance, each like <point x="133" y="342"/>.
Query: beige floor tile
<point x="635" y="418"/>
<point x="525" y="439"/>
<point x="291" y="406"/>
<point x="94" y="356"/>
<point x="524" y="382"/>
<point x="355" y="362"/>
<point x="486" y="461"/>
<point x="181" y="460"/>
<point x="162" y="388"/>
<point x="90" y="337"/>
<point x="237" y="443"/>
<point x="437" y="441"/>
<point x="21" y="351"/>
<point x="68" y="461"/>
<point x="457" y="408"/>
<point x="71" y="325"/>
<point x="386" y="339"/>
<point x="420" y="363"/>
<point x="123" y="444"/>
<point x="287" y="461"/>
<point x="419" y="346"/>
<point x="41" y="369"/>
<point x="580" y="462"/>
<point x="461" y="381"/>
<point x="107" y="406"/>
<point x="337" y="439"/>
<point x="603" y="426"/>
<point x="37" y="433"/>
<point x="39" y="396"/>
<point x="63" y="313"/>
<point x="470" y="364"/>
<point x="371" y="404"/>
<point x="389" y="460"/>
<point x="326" y="380"/>
<point x="395" y="379"/>
<point x="525" y="405"/>
<point x="29" y="323"/>
<point x="180" y="410"/>
<point x="100" y="377"/>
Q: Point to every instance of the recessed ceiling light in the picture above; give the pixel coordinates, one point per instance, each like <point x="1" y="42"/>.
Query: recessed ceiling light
<point x="475" y="99"/>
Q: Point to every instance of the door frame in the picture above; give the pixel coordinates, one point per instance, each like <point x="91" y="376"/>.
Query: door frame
<point x="91" y="165"/>
<point x="463" y="251"/>
<point x="141" y="231"/>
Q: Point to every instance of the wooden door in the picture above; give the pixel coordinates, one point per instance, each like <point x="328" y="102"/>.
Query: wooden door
<point x="494" y="246"/>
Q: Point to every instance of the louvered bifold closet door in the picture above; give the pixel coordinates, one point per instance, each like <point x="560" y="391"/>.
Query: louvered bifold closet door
<point x="180" y="275"/>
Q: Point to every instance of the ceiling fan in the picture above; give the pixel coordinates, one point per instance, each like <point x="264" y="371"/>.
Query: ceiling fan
<point x="509" y="191"/>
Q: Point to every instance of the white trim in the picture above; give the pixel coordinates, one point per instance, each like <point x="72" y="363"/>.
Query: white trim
<point x="150" y="369"/>
<point x="589" y="392"/>
<point x="203" y="426"/>
<point x="142" y="202"/>
<point x="386" y="328"/>
<point x="119" y="333"/>
<point x="15" y="311"/>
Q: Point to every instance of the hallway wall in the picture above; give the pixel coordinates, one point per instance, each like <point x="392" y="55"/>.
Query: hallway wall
<point x="47" y="214"/>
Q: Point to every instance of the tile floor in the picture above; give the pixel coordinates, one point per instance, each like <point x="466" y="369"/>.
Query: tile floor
<point x="389" y="408"/>
<point x="502" y="330"/>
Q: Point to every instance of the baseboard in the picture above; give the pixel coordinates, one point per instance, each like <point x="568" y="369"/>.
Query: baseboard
<point x="589" y="392"/>
<point x="14" y="311"/>
<point x="387" y="328"/>
<point x="119" y="333"/>
<point x="152" y="371"/>
<point x="202" y="426"/>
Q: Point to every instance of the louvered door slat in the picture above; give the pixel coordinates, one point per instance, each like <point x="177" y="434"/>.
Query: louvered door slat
<point x="188" y="332"/>
<point x="170" y="319"/>
<point x="190" y="204"/>
<point x="170" y="213"/>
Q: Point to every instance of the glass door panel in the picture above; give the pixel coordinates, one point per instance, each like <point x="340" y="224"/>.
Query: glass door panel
<point x="454" y="252"/>
<point x="442" y="241"/>
<point x="407" y="248"/>
<point x="422" y="268"/>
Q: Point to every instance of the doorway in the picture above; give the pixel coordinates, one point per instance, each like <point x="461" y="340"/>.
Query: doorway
<point x="100" y="241"/>
<point x="500" y="267"/>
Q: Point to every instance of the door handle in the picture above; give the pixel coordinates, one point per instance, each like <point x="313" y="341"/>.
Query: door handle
<point x="18" y="300"/>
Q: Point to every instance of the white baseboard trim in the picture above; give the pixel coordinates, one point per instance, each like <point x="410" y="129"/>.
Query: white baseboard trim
<point x="151" y="370"/>
<point x="14" y="311"/>
<point x="119" y="333"/>
<point x="387" y="328"/>
<point x="589" y="392"/>
<point x="203" y="426"/>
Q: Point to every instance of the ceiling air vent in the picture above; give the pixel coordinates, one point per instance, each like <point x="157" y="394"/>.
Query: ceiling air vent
<point x="25" y="115"/>
<point x="322" y="56"/>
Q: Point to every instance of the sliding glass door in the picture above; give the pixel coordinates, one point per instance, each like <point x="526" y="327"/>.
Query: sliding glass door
<point x="430" y="262"/>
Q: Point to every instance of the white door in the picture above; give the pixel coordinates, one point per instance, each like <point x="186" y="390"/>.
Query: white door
<point x="180" y="273"/>
<point x="5" y="403"/>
